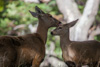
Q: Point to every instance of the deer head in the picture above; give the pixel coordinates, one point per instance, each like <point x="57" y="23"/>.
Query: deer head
<point x="45" y="18"/>
<point x="63" y="28"/>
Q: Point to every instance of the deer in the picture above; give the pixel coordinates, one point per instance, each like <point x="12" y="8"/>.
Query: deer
<point x="27" y="50"/>
<point x="77" y="53"/>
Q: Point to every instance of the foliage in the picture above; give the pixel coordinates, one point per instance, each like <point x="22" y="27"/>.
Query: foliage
<point x="1" y="5"/>
<point x="18" y="11"/>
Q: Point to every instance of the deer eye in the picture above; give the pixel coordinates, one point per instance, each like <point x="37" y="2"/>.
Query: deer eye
<point x="50" y="16"/>
<point x="60" y="28"/>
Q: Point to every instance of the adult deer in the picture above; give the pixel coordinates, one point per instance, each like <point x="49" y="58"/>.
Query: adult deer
<point x="75" y="53"/>
<point x="27" y="49"/>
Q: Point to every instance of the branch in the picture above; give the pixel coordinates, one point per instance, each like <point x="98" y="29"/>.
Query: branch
<point x="53" y="61"/>
<point x="87" y="19"/>
<point x="35" y="1"/>
<point x="94" y="33"/>
<point x="69" y="9"/>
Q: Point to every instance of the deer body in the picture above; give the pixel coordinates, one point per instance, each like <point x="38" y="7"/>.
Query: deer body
<point x="77" y="53"/>
<point x="81" y="52"/>
<point x="28" y="49"/>
<point x="32" y="47"/>
<point x="23" y="49"/>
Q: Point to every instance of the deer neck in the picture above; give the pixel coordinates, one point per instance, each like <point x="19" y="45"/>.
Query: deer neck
<point x="64" y="40"/>
<point x="42" y="31"/>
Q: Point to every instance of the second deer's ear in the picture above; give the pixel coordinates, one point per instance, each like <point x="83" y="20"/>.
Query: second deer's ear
<point x="33" y="14"/>
<point x="72" y="23"/>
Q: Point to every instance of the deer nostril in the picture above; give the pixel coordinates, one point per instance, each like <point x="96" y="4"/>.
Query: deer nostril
<point x="51" y="33"/>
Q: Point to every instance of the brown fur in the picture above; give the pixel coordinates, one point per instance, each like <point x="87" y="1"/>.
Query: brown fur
<point x="77" y="53"/>
<point x="21" y="49"/>
<point x="29" y="49"/>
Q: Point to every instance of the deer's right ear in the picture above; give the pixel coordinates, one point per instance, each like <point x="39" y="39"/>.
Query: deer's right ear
<point x="72" y="23"/>
<point x="33" y="14"/>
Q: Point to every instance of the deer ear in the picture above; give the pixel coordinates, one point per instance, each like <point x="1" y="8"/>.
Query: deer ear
<point x="72" y="23"/>
<point x="33" y="14"/>
<point x="38" y="10"/>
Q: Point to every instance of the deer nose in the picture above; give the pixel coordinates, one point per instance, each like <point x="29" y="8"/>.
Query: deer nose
<point x="51" y="33"/>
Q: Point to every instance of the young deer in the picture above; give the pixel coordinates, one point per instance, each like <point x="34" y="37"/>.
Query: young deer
<point x="29" y="49"/>
<point x="77" y="53"/>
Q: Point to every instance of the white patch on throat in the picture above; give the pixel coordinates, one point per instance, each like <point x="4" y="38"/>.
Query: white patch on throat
<point x="71" y="53"/>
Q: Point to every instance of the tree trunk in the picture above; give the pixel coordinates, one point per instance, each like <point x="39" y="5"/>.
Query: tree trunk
<point x="70" y="11"/>
<point x="87" y="19"/>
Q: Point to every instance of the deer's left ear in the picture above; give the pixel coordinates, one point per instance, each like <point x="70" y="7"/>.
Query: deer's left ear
<point x="72" y="23"/>
<point x="33" y="14"/>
